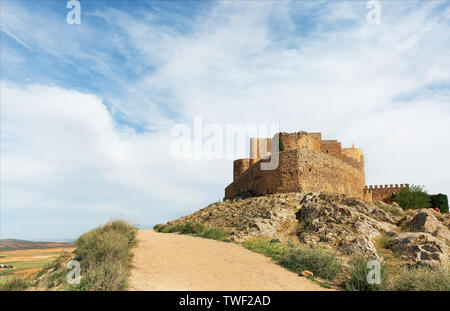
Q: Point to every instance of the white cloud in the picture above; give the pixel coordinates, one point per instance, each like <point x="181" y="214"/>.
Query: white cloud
<point x="62" y="150"/>
<point x="375" y="85"/>
<point x="312" y="66"/>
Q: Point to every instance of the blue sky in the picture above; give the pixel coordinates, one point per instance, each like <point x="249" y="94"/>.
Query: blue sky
<point x="87" y="110"/>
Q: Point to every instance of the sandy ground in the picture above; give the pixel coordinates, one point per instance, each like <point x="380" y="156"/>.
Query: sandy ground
<point x="165" y="261"/>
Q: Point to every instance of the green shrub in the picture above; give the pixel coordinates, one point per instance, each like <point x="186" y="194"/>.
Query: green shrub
<point x="186" y="228"/>
<point x="158" y="227"/>
<point x="195" y="229"/>
<point x="105" y="256"/>
<point x="319" y="261"/>
<point x="413" y="197"/>
<point x="439" y="201"/>
<point x="14" y="284"/>
<point x="271" y="248"/>
<point x="422" y="279"/>
<point x="358" y="276"/>
<point x="215" y="234"/>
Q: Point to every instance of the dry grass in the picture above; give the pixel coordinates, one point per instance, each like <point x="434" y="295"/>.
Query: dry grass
<point x="15" y="284"/>
<point x="105" y="256"/>
<point x="321" y="262"/>
<point x="422" y="279"/>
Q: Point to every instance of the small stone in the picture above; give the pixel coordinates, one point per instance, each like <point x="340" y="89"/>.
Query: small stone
<point x="306" y="273"/>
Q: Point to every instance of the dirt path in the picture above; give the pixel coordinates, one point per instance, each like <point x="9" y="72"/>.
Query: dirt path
<point x="165" y="261"/>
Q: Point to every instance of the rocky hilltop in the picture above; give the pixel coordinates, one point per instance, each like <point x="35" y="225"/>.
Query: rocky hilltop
<point x="345" y="225"/>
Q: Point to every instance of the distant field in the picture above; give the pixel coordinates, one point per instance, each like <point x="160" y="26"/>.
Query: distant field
<point x="26" y="262"/>
<point x="14" y="244"/>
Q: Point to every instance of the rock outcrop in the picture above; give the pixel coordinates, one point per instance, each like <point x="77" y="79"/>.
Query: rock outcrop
<point x="422" y="248"/>
<point x="349" y="225"/>
<point x="265" y="216"/>
<point x="346" y="225"/>
<point x="425" y="221"/>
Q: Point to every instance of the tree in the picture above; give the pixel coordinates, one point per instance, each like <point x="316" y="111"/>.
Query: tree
<point x="439" y="201"/>
<point x="413" y="197"/>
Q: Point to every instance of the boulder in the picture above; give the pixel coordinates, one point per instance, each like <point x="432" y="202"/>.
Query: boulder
<point x="425" y="221"/>
<point x="346" y="224"/>
<point x="307" y="273"/>
<point x="421" y="247"/>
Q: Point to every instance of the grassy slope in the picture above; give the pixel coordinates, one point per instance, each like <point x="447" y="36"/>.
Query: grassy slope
<point x="105" y="257"/>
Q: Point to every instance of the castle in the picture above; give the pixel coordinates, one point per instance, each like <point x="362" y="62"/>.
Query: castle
<point x="306" y="163"/>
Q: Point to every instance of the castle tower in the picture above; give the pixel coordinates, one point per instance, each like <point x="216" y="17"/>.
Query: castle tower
<point x="259" y="149"/>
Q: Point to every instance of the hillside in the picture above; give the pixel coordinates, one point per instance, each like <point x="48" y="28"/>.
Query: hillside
<point x="346" y="227"/>
<point x="14" y="244"/>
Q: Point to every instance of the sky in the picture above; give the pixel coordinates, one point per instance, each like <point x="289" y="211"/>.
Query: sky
<point x="88" y="110"/>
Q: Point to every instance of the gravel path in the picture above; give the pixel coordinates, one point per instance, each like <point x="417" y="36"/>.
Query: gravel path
<point x="164" y="261"/>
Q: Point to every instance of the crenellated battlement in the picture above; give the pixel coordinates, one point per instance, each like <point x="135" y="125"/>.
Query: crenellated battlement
<point x="382" y="192"/>
<point x="391" y="186"/>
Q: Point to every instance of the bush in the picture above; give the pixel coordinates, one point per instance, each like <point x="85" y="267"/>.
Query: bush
<point x="319" y="261"/>
<point x="105" y="256"/>
<point x="423" y="279"/>
<point x="195" y="229"/>
<point x="358" y="276"/>
<point x="215" y="234"/>
<point x="14" y="284"/>
<point x="271" y="248"/>
<point x="158" y="227"/>
<point x="439" y="201"/>
<point x="413" y="197"/>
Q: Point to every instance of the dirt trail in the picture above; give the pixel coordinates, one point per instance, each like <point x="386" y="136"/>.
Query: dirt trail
<point x="165" y="261"/>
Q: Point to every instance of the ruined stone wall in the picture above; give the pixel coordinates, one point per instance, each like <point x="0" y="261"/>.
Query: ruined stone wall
<point x="382" y="193"/>
<point x="354" y="157"/>
<point x="300" y="170"/>
<point x="319" y="172"/>
<point x="254" y="182"/>
<point x="367" y="195"/>
<point x="259" y="149"/>
<point x="316" y="136"/>
<point x="239" y="167"/>
<point x="331" y="147"/>
<point x="293" y="141"/>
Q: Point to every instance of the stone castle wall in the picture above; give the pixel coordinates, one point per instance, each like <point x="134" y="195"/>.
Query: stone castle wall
<point x="382" y="193"/>
<point x="306" y="164"/>
<point x="299" y="170"/>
